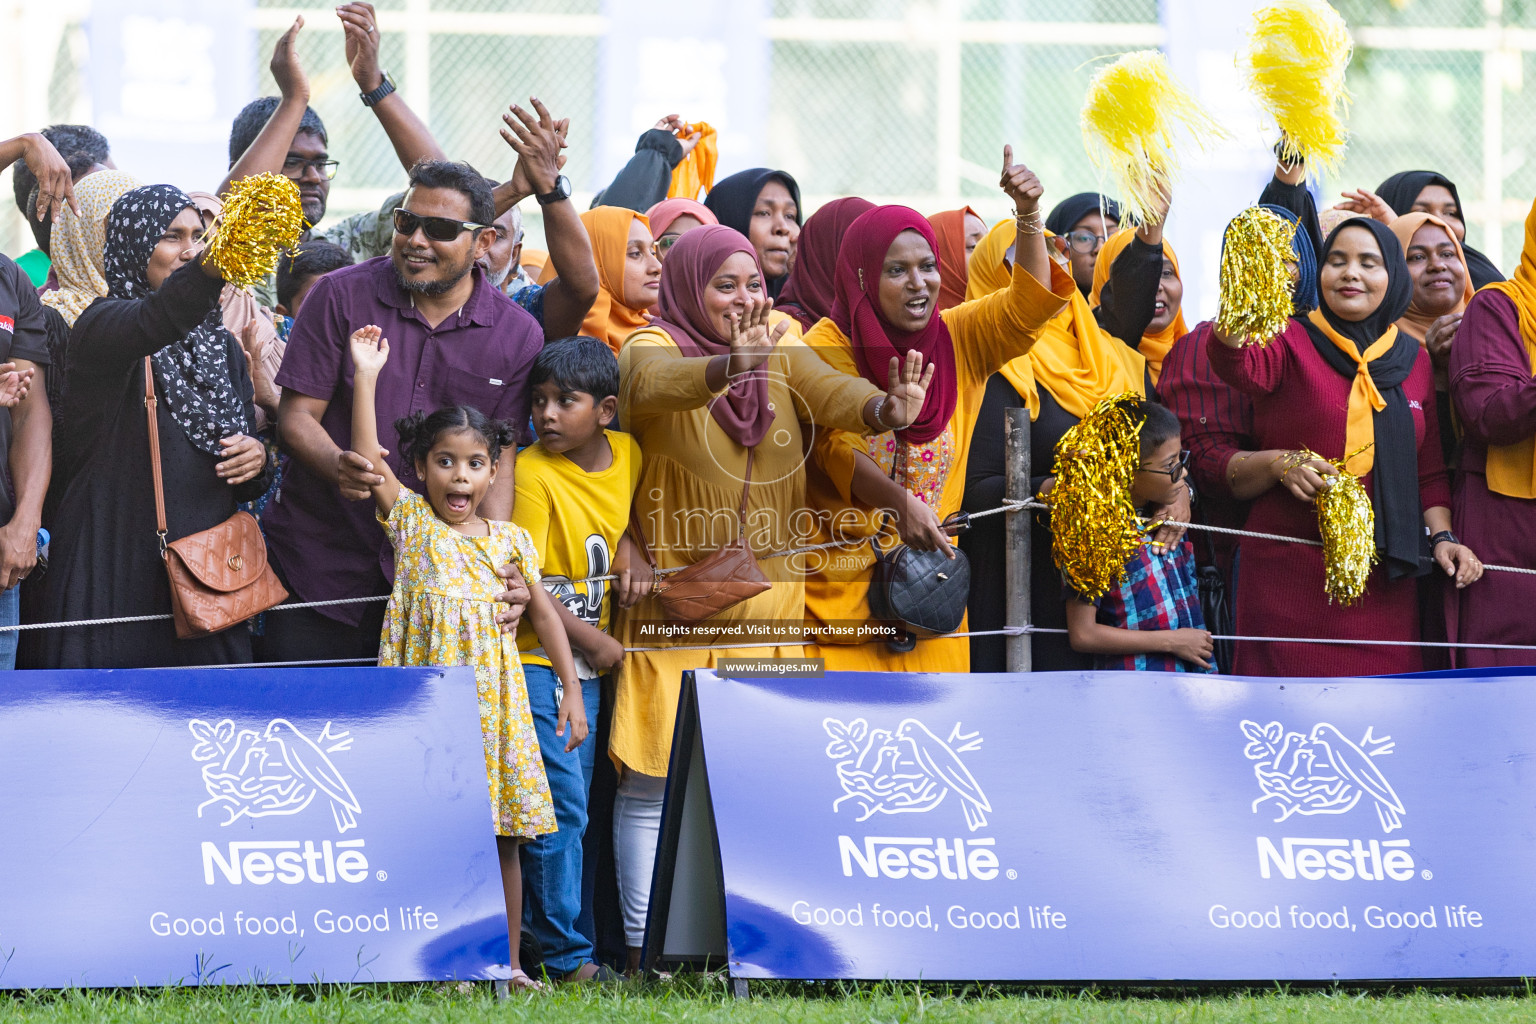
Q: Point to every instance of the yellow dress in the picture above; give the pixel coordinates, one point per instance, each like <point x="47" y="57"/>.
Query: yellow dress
<point x="987" y="333"/>
<point x="443" y="612"/>
<point x="690" y="487"/>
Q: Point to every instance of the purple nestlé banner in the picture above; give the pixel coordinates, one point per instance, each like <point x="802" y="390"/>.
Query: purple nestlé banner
<point x="1109" y="826"/>
<point x="226" y="826"/>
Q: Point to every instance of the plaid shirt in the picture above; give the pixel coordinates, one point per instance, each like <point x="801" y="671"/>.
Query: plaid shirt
<point x="1158" y="593"/>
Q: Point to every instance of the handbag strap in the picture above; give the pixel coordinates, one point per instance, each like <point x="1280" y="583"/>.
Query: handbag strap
<point x="154" y="451"/>
<point x="746" y="484"/>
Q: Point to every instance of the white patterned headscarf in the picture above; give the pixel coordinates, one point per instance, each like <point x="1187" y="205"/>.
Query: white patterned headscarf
<point x="192" y="374"/>
<point x="77" y="243"/>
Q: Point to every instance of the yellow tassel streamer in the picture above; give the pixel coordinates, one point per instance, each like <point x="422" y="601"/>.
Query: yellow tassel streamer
<point x="1256" y="278"/>
<point x="1129" y="117"/>
<point x="697" y="171"/>
<point x="262" y="218"/>
<point x="1094" y="528"/>
<point x="1347" y="524"/>
<point x="1297" y="54"/>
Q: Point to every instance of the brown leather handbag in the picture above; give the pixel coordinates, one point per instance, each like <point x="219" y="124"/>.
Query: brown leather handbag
<point x="720" y="580"/>
<point x="219" y="576"/>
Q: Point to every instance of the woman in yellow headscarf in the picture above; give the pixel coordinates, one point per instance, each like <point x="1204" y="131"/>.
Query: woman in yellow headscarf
<point x="78" y="243"/>
<point x="1143" y="304"/>
<point x="628" y="272"/>
<point x="1493" y="386"/>
<point x="1075" y="364"/>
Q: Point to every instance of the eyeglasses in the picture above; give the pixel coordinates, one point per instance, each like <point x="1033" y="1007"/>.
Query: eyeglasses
<point x="1174" y="473"/>
<point x="663" y="244"/>
<point x="294" y="167"/>
<point x="438" y="229"/>
<point x="1084" y="241"/>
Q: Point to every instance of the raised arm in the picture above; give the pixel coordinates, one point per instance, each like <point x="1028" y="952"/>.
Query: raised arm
<point x="520" y="186"/>
<point x="411" y="138"/>
<point x="55" y="183"/>
<point x="270" y="147"/>
<point x="644" y="181"/>
<point x="370" y="351"/>
<point x="537" y="142"/>
<point x="1127" y="299"/>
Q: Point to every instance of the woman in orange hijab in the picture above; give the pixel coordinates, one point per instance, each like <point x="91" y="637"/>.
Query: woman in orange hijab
<point x="628" y="272"/>
<point x="959" y="232"/>
<point x="1135" y="305"/>
<point x="1442" y="287"/>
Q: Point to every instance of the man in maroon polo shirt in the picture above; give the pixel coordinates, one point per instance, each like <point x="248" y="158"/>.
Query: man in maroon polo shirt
<point x="453" y="339"/>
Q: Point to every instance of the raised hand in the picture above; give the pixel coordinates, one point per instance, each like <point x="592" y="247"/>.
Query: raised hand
<point x="537" y="142"/>
<point x="907" y="388"/>
<point x="1021" y="184"/>
<point x="752" y="341"/>
<point x="678" y="127"/>
<point x="14" y="384"/>
<point x="361" y="28"/>
<point x="55" y="183"/>
<point x="1367" y="204"/>
<point x="370" y="351"/>
<point x="287" y="72"/>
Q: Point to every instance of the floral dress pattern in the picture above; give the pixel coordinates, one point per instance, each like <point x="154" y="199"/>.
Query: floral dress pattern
<point x="927" y="466"/>
<point x="443" y="612"/>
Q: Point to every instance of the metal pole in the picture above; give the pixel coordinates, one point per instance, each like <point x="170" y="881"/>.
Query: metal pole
<point x="1016" y="459"/>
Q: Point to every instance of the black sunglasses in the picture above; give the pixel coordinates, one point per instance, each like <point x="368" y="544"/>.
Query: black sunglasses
<point x="1176" y="472"/>
<point x="439" y="229"/>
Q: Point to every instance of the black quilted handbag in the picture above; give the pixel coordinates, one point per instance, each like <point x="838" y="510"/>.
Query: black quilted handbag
<point x="923" y="593"/>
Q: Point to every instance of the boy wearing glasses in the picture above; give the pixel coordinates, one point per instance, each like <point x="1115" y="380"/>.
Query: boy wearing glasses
<point x="1151" y="621"/>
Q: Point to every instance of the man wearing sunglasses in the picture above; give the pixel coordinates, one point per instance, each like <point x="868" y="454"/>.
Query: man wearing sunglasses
<point x="454" y="339"/>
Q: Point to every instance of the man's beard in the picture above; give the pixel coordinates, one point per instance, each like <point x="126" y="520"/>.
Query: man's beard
<point x="498" y="278"/>
<point x="430" y="288"/>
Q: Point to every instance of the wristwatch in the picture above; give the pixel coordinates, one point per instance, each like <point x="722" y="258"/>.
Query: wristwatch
<point x="561" y="192"/>
<point x="1443" y="537"/>
<point x="385" y="88"/>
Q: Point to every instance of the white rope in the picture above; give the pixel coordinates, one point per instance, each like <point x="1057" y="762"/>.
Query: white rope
<point x="812" y="642"/>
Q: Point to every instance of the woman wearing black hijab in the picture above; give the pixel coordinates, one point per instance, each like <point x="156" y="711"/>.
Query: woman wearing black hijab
<point x="163" y="302"/>
<point x="1435" y="194"/>
<point x="1082" y="224"/>
<point x="764" y="205"/>
<point x="1341" y="382"/>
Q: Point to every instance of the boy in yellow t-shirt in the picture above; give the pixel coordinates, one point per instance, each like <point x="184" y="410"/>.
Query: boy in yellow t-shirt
<point x="574" y="488"/>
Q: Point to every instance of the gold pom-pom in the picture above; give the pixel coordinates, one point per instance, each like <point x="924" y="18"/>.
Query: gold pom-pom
<point x="1347" y="524"/>
<point x="1129" y="117"/>
<point x="1297" y="53"/>
<point x="1256" y="276"/>
<point x="1094" y="528"/>
<point x="262" y="218"/>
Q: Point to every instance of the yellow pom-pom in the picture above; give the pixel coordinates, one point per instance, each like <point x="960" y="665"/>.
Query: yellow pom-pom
<point x="1129" y="117"/>
<point x="1347" y="524"/>
<point x="262" y="218"/>
<point x="1297" y="54"/>
<point x="1094" y="529"/>
<point x="1256" y="276"/>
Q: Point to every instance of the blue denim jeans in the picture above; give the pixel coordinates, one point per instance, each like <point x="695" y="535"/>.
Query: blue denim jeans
<point x="552" y="866"/>
<point x="10" y="615"/>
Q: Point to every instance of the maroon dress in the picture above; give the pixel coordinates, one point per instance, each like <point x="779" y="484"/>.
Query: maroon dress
<point x="1299" y="401"/>
<point x="1495" y="396"/>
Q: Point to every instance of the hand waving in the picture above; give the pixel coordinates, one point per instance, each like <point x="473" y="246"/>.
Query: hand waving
<point x="1367" y="204"/>
<point x="370" y="351"/>
<point x="287" y="72"/>
<point x="907" y="388"/>
<point x="752" y="342"/>
<point x="537" y="142"/>
<point x="1021" y="184"/>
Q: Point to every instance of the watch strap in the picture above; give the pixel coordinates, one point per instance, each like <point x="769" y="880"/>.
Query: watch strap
<point x="385" y="88"/>
<point x="1445" y="536"/>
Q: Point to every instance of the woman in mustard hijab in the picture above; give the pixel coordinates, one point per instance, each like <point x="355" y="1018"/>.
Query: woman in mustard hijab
<point x="1073" y="366"/>
<point x="1494" y="390"/>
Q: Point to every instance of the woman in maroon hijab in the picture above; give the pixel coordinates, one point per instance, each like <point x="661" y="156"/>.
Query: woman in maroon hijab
<point x="710" y="382"/>
<point x="808" y="293"/>
<point x="888" y="283"/>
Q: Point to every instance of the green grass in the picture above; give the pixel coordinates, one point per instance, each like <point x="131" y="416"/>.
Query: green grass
<point x="703" y="999"/>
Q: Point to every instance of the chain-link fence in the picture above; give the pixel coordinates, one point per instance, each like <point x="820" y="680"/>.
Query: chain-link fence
<point x="908" y="100"/>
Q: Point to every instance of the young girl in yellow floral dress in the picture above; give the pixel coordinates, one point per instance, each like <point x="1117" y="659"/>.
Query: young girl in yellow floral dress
<point x="443" y="608"/>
